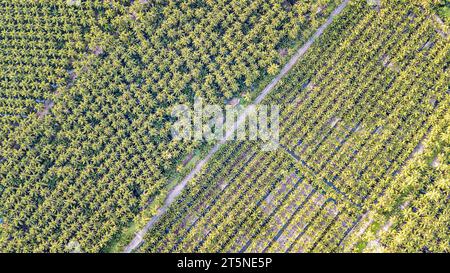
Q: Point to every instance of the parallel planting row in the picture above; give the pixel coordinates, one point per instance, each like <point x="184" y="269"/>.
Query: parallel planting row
<point x="250" y="201"/>
<point x="353" y="111"/>
<point x="413" y="215"/>
<point x="357" y="115"/>
<point x="423" y="226"/>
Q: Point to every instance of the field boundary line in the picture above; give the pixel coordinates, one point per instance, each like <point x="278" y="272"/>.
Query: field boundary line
<point x="176" y="191"/>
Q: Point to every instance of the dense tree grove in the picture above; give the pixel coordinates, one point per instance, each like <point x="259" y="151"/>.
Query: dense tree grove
<point x="39" y="42"/>
<point x="86" y="94"/>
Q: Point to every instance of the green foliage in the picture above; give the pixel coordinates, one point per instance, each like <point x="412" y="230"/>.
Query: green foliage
<point x="85" y="149"/>
<point x="354" y="110"/>
<point x="86" y="95"/>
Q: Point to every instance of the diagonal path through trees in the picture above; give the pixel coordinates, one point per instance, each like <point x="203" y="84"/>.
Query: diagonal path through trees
<point x="176" y="191"/>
